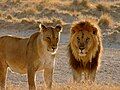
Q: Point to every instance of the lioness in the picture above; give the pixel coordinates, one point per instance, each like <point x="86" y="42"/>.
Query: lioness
<point x="85" y="49"/>
<point x="27" y="55"/>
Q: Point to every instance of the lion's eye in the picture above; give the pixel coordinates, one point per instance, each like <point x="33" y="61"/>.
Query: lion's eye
<point x="87" y="39"/>
<point x="78" y="38"/>
<point x="48" y="38"/>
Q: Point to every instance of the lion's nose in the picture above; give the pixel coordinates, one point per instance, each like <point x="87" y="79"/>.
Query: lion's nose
<point x="81" y="48"/>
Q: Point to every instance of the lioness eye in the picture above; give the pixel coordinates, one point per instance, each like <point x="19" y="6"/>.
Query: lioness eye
<point x="48" y="38"/>
<point x="57" y="38"/>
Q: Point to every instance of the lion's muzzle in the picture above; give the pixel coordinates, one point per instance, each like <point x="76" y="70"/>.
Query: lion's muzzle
<point x="82" y="51"/>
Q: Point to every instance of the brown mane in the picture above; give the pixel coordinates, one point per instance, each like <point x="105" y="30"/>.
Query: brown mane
<point x="90" y="62"/>
<point x="79" y="65"/>
<point x="84" y="25"/>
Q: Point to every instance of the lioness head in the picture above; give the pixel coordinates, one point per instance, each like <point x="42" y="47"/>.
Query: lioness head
<point x="51" y="36"/>
<point x="84" y="38"/>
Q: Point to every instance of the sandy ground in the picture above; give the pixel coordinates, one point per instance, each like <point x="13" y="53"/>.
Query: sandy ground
<point x="109" y="71"/>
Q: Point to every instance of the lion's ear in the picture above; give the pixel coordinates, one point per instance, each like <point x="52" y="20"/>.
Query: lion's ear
<point x="72" y="31"/>
<point x="42" y="27"/>
<point x="58" y="28"/>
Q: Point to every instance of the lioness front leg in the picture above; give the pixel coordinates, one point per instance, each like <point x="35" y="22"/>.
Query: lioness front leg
<point x="48" y="72"/>
<point x="31" y="76"/>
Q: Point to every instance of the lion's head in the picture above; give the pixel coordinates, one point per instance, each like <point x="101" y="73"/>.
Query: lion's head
<point x="85" y="39"/>
<point x="51" y="36"/>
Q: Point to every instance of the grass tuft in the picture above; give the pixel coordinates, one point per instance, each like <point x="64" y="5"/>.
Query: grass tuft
<point x="105" y="7"/>
<point x="9" y="17"/>
<point x="71" y="86"/>
<point x="30" y="11"/>
<point x="105" y="21"/>
<point x="85" y="3"/>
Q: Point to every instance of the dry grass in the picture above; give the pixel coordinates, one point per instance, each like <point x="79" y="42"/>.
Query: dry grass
<point x="30" y="11"/>
<point x="57" y="21"/>
<point x="25" y="21"/>
<point x="105" y="21"/>
<point x="118" y="28"/>
<point x="45" y="21"/>
<point x="105" y="7"/>
<point x="9" y="17"/>
<point x="16" y="1"/>
<point x="31" y="23"/>
<point x="0" y="14"/>
<point x="51" y="22"/>
<point x="13" y="1"/>
<point x="49" y="4"/>
<point x="71" y="86"/>
<point x="85" y="3"/>
<point x="39" y="7"/>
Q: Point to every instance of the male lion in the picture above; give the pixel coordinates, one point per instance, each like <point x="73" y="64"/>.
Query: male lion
<point x="84" y="49"/>
<point x="27" y="55"/>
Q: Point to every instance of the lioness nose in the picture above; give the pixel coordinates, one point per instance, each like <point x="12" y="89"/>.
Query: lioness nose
<point x="53" y="47"/>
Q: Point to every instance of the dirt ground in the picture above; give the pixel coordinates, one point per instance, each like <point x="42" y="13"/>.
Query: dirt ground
<point x="22" y="19"/>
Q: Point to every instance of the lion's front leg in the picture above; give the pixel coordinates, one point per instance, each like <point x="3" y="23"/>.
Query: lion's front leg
<point x="91" y="69"/>
<point x="90" y="76"/>
<point x="77" y="76"/>
<point x="31" y="76"/>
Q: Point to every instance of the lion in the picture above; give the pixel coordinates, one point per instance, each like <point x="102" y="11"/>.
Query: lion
<point x="28" y="55"/>
<point x="85" y="49"/>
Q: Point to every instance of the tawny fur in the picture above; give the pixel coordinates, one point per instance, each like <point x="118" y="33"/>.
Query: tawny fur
<point x="87" y="64"/>
<point x="28" y="55"/>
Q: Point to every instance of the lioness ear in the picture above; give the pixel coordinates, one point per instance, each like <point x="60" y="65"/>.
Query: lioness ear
<point x="42" y="27"/>
<point x="59" y="28"/>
